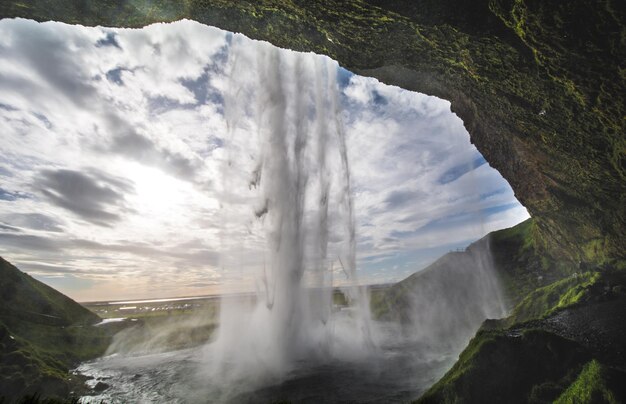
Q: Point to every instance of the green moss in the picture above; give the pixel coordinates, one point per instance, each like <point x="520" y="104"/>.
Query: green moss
<point x="467" y="360"/>
<point x="596" y="250"/>
<point x="24" y="368"/>
<point x="505" y="366"/>
<point x="519" y="254"/>
<point x="522" y="234"/>
<point x="558" y="295"/>
<point x="519" y="360"/>
<point x="589" y="387"/>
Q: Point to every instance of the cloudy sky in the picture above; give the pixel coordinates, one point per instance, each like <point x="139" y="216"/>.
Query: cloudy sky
<point x="112" y="155"/>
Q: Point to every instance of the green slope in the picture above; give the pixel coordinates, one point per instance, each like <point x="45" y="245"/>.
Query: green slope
<point x="573" y="354"/>
<point x="43" y="334"/>
<point x="27" y="298"/>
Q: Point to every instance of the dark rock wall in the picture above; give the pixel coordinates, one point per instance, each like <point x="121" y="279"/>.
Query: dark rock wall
<point x="540" y="84"/>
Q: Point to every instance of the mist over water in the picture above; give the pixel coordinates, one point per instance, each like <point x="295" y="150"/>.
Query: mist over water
<point x="443" y="306"/>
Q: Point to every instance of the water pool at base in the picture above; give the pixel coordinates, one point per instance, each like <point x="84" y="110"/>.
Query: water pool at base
<point x="399" y="371"/>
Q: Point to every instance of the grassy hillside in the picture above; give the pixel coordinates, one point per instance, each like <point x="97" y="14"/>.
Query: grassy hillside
<point x="571" y="354"/>
<point x="43" y="334"/>
<point x="26" y="297"/>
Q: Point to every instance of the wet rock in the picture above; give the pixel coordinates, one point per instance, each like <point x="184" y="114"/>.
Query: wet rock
<point x="100" y="387"/>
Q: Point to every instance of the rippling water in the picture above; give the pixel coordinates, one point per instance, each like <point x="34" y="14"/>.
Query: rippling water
<point x="399" y="372"/>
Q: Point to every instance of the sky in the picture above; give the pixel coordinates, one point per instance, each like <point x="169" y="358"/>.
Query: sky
<point x="112" y="154"/>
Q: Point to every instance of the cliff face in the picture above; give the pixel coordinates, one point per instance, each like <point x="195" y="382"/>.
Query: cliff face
<point x="539" y="84"/>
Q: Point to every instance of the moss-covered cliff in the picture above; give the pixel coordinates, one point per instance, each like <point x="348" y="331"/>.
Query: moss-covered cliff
<point x="563" y="343"/>
<point x="539" y="83"/>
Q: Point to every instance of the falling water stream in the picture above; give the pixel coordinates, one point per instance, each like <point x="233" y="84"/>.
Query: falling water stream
<point x="299" y="182"/>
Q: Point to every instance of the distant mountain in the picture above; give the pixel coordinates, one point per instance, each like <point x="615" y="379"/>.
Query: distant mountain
<point x="43" y="334"/>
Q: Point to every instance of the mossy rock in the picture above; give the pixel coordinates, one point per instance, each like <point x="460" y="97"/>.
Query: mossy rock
<point x="510" y="367"/>
<point x="595" y="384"/>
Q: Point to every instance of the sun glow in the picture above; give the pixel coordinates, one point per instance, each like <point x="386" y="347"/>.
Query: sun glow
<point x="158" y="196"/>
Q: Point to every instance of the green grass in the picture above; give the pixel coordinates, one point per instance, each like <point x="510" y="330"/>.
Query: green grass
<point x="26" y="298"/>
<point x="556" y="296"/>
<point x="589" y="387"/>
<point x="503" y="367"/>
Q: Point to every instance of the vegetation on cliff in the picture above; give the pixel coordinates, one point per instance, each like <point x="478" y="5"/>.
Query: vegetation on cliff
<point x="535" y="362"/>
<point x="527" y="362"/>
<point x="43" y="334"/>
<point x="548" y="349"/>
<point x="512" y="252"/>
<point x="562" y="340"/>
<point x="591" y="386"/>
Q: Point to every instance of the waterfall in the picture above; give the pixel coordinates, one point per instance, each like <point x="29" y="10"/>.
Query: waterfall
<point x="284" y="106"/>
